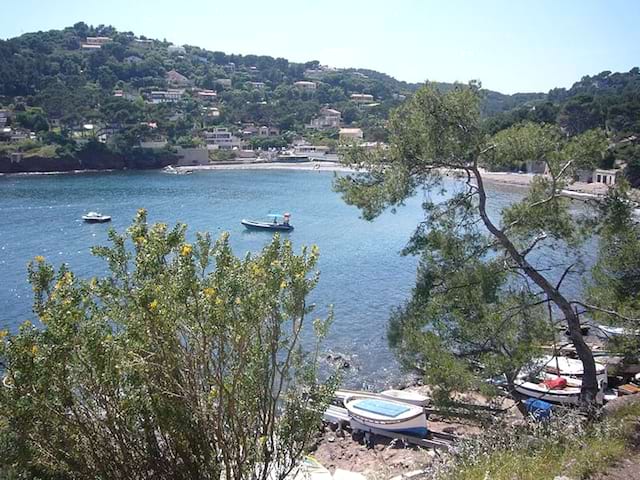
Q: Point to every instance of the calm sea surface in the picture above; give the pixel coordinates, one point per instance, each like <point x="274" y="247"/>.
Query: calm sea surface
<point x="362" y="272"/>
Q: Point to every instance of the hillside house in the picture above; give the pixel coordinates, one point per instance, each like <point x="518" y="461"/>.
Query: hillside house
<point x="607" y="177"/>
<point x="351" y="134"/>
<point x="176" y="79"/>
<point x="176" y="50"/>
<point x="97" y="40"/>
<point x="306" y="86"/>
<point x="361" y="98"/>
<point x="221" y="139"/>
<point x="328" y="118"/>
<point x="171" y="95"/>
<point x="224" y="82"/>
<point x="207" y="95"/>
<point x="256" y="85"/>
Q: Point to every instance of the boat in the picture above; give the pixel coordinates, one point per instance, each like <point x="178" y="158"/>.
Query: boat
<point x="611" y="332"/>
<point x="95" y="217"/>
<point x="403" y="396"/>
<point x="275" y="225"/>
<point x="568" y="367"/>
<point x="389" y="415"/>
<point x="553" y="392"/>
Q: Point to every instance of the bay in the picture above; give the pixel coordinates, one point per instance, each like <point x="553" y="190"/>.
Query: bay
<point x="362" y="272"/>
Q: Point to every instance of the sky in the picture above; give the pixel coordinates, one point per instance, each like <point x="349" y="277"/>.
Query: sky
<point x="510" y="46"/>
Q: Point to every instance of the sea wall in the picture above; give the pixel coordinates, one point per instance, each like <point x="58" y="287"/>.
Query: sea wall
<point x="88" y="159"/>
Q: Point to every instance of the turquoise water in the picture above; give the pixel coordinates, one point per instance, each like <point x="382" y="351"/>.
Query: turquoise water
<point x="362" y="272"/>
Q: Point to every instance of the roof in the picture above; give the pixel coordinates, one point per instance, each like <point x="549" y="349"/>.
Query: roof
<point x="350" y="130"/>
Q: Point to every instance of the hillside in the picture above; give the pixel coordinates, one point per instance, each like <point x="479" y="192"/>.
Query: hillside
<point x="132" y="89"/>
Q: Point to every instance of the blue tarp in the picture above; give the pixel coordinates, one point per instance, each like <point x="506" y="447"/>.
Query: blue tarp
<point x="538" y="408"/>
<point x="381" y="407"/>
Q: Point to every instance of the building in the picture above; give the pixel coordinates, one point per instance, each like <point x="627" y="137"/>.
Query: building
<point x="143" y="42"/>
<point x="361" y="98"/>
<point x="171" y="95"/>
<point x="224" y="82"/>
<point x="211" y="112"/>
<point x="177" y="79"/>
<point x="97" y="40"/>
<point x="88" y="46"/>
<point x="328" y="118"/>
<point x="207" y="95"/>
<point x="251" y="130"/>
<point x="607" y="177"/>
<point x="4" y="118"/>
<point x="221" y="139"/>
<point x="306" y="86"/>
<point x="351" y="134"/>
<point x="176" y="50"/>
<point x="256" y="85"/>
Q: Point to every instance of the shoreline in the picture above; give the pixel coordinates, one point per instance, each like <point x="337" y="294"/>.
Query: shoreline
<point x="577" y="191"/>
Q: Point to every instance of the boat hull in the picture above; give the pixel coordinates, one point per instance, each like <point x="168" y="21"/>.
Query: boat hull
<point x="96" y="220"/>
<point x="567" y="396"/>
<point x="275" y="227"/>
<point x="411" y="419"/>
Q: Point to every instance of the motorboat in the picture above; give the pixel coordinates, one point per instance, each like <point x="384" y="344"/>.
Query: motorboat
<point x="550" y="389"/>
<point x="568" y="367"/>
<point x="390" y="415"/>
<point x="404" y="396"/>
<point x="95" y="217"/>
<point x="279" y="223"/>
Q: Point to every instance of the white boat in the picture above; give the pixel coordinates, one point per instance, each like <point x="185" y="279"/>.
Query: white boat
<point x="567" y="367"/>
<point x="390" y="415"/>
<point x="95" y="217"/>
<point x="569" y="395"/>
<point x="611" y="332"/>
<point x="406" y="396"/>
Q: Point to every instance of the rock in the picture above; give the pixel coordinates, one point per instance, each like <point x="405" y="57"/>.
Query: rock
<point x="331" y="438"/>
<point x="614" y="405"/>
<point x="563" y="478"/>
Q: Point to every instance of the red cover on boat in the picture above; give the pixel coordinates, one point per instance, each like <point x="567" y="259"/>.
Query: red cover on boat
<point x="556" y="383"/>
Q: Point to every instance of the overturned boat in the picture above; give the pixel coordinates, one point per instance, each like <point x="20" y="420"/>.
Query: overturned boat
<point x="389" y="415"/>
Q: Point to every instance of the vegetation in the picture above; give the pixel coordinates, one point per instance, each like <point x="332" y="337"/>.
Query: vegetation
<point x="479" y="302"/>
<point x="567" y="446"/>
<point x="182" y="362"/>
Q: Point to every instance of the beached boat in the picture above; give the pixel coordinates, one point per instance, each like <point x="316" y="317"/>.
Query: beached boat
<point x="568" y="367"/>
<point x="275" y="225"/>
<point x="95" y="217"/>
<point x="403" y="396"/>
<point x="551" y="389"/>
<point x="611" y="332"/>
<point x="390" y="415"/>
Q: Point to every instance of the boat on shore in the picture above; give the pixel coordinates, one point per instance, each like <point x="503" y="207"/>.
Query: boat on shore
<point x="95" y="217"/>
<point x="276" y="225"/>
<point x="389" y="415"/>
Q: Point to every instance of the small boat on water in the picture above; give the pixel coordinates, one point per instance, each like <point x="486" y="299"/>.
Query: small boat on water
<point x="390" y="415"/>
<point x="276" y="224"/>
<point x="95" y="217"/>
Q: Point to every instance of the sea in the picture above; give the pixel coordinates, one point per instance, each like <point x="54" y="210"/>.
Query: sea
<point x="363" y="274"/>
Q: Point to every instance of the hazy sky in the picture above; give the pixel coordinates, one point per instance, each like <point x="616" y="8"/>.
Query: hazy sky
<point x="510" y="46"/>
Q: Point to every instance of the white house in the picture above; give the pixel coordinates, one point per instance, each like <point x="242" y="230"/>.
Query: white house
<point x="97" y="40"/>
<point x="608" y="177"/>
<point x="176" y="49"/>
<point x="361" y="97"/>
<point x="171" y="95"/>
<point x="221" y="139"/>
<point x="306" y="86"/>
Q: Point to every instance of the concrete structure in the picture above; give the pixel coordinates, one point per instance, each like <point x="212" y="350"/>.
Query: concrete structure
<point x="250" y="130"/>
<point x="176" y="79"/>
<point x="171" y="95"/>
<point x="211" y="111"/>
<point x="351" y="134"/>
<point x="256" y="85"/>
<point x="607" y="177"/>
<point x="224" y="82"/>
<point x="221" y="139"/>
<point x="192" y="156"/>
<point x="328" y="118"/>
<point x="306" y="86"/>
<point x="361" y="98"/>
<point x="86" y="46"/>
<point x="143" y="42"/>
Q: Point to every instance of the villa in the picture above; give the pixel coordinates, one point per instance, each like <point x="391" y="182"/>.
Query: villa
<point x="351" y="134"/>
<point x="328" y="118"/>
<point x="361" y="98"/>
<point x="306" y="86"/>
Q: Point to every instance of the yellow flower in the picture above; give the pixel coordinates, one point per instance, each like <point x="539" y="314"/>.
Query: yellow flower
<point x="39" y="258"/>
<point x="283" y="285"/>
<point x="209" y="292"/>
<point x="238" y="301"/>
<point x="186" y="250"/>
<point x="140" y="240"/>
<point x="153" y="306"/>
<point x="3" y="334"/>
<point x="34" y="350"/>
<point x="218" y="301"/>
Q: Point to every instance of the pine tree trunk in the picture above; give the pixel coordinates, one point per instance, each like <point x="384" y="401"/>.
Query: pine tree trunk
<point x="589" y="389"/>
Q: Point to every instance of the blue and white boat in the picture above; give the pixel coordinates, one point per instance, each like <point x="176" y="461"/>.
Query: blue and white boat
<point x="279" y="223"/>
<point x="388" y="415"/>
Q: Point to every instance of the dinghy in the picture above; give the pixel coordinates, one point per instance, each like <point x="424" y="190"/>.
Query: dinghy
<point x="95" y="217"/>
<point x="390" y="415"/>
